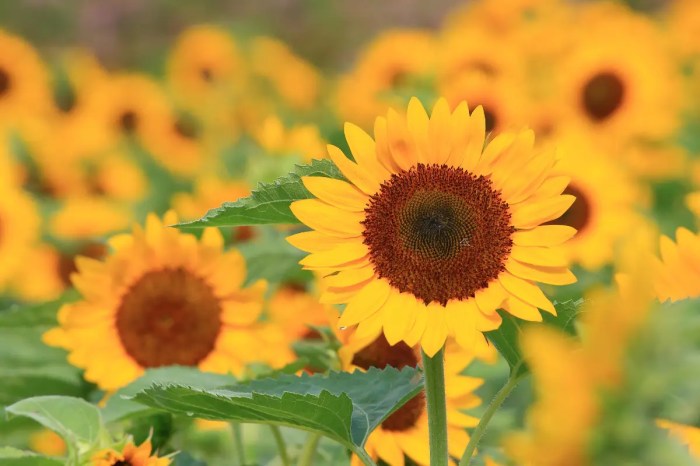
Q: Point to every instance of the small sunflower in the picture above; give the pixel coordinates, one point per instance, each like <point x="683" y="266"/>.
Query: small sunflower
<point x="162" y="298"/>
<point x="606" y="198"/>
<point x="130" y="455"/>
<point x="618" y="80"/>
<point x="304" y="140"/>
<point x="432" y="232"/>
<point x="19" y="229"/>
<point x="24" y="85"/>
<point x="405" y="432"/>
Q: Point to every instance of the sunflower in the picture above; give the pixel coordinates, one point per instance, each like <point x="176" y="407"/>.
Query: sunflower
<point x="432" y="232"/>
<point x="678" y="270"/>
<point x="297" y="311"/>
<point x="162" y="298"/>
<point x="130" y="455"/>
<point x="24" y="86"/>
<point x="19" y="229"/>
<point x="208" y="191"/>
<point x="304" y="140"/>
<point x="39" y="277"/>
<point x="618" y="81"/>
<point x="688" y="435"/>
<point x="88" y="218"/>
<point x="606" y="198"/>
<point x="384" y="73"/>
<point x="47" y="442"/>
<point x="405" y="432"/>
<point x="204" y="68"/>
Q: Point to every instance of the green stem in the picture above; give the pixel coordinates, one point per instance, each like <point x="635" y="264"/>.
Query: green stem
<point x="434" y="369"/>
<point x="281" y="446"/>
<point x="496" y="403"/>
<point x="364" y="457"/>
<point x="238" y="443"/>
<point x="307" y="454"/>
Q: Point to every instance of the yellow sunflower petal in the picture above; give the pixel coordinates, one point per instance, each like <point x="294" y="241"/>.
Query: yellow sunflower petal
<point x="523" y="310"/>
<point x="350" y="277"/>
<point x="313" y="241"/>
<point x="418" y="328"/>
<point x="354" y="173"/>
<point x="439" y="133"/>
<point x="336" y="192"/>
<point x="459" y="136"/>
<point x="363" y="150"/>
<point x="365" y="303"/>
<point x="461" y="318"/>
<point x="382" y="146"/>
<point x="399" y="317"/>
<point x="531" y="214"/>
<point x="536" y="255"/>
<point x="490" y="298"/>
<point x="402" y="150"/>
<point x="475" y="142"/>
<point x="550" y="275"/>
<point x="389" y="451"/>
<point x="526" y="291"/>
<point x="418" y="121"/>
<point x="435" y="334"/>
<point x="347" y="252"/>
<point x="370" y="327"/>
<point x="543" y="235"/>
<point x="328" y="219"/>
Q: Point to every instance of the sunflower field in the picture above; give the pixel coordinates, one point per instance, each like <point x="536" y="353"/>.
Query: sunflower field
<point x="334" y="233"/>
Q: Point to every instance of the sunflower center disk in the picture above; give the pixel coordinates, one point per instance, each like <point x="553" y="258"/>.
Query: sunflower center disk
<point x="603" y="95"/>
<point x="380" y="354"/>
<point x="438" y="232"/>
<point x="169" y="317"/>
<point x="5" y="82"/>
<point x="579" y="214"/>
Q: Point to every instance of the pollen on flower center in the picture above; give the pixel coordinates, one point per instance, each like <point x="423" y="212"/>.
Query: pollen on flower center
<point x="5" y="82"/>
<point x="603" y="95"/>
<point x="438" y="232"/>
<point x="167" y="317"/>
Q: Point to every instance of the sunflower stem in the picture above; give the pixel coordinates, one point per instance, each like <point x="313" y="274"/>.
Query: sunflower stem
<point x="364" y="457"/>
<point x="495" y="404"/>
<point x="238" y="443"/>
<point x="434" y="369"/>
<point x="307" y="454"/>
<point x="281" y="445"/>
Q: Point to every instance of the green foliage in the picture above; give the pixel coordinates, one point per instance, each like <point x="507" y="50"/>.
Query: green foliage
<point x="342" y="406"/>
<point x="270" y="257"/>
<point x="13" y="457"/>
<point x="269" y="203"/>
<point x="28" y="366"/>
<point x="506" y="337"/>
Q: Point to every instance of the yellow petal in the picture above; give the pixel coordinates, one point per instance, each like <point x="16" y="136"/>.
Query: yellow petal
<point x="490" y="298"/>
<point x="350" y="277"/>
<point x="369" y="328"/>
<point x="402" y="150"/>
<point x="314" y="241"/>
<point x="382" y="146"/>
<point x="365" y="303"/>
<point x="523" y="310"/>
<point x="240" y="313"/>
<point x="364" y="151"/>
<point x="435" y="334"/>
<point x="497" y="147"/>
<point x="536" y="255"/>
<point x="417" y="121"/>
<point x="418" y="328"/>
<point x="550" y="275"/>
<point x="328" y="219"/>
<point x="531" y="214"/>
<point x="526" y="291"/>
<point x="439" y="136"/>
<point x="475" y="142"/>
<point x="543" y="235"/>
<point x="337" y="193"/>
<point x="347" y="252"/>
<point x="460" y="135"/>
<point x="461" y="321"/>
<point x="399" y="316"/>
<point x="354" y="173"/>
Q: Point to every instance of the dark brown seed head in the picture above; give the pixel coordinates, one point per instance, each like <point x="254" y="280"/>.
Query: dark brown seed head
<point x="602" y="96"/>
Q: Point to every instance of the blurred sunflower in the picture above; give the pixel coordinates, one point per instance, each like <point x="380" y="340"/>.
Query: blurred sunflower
<point x="205" y="68"/>
<point x="405" y="432"/>
<point x="385" y="74"/>
<point x="19" y="229"/>
<point x="618" y="81"/>
<point x="78" y="71"/>
<point x="297" y="310"/>
<point x="24" y="86"/>
<point x="433" y="232"/>
<point x="209" y="192"/>
<point x="678" y="272"/>
<point x="606" y="197"/>
<point x="688" y="435"/>
<point x="89" y="218"/>
<point x="47" y="442"/>
<point x="294" y="79"/>
<point x="40" y="277"/>
<point x="162" y="298"/>
<point x="130" y="455"/>
<point x="303" y="140"/>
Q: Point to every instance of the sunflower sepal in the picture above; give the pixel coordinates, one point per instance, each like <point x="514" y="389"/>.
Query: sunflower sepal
<point x="269" y="202"/>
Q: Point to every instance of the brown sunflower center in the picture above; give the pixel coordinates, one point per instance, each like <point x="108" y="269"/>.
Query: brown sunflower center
<point x="579" y="214"/>
<point x="438" y="232"/>
<point x="5" y="82"/>
<point x="186" y="127"/>
<point x="168" y="317"/>
<point x="206" y="74"/>
<point x="122" y="463"/>
<point x="380" y="354"/>
<point x="128" y="121"/>
<point x="603" y="95"/>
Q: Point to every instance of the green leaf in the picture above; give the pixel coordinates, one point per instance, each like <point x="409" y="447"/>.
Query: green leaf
<point x="120" y="405"/>
<point x="343" y="406"/>
<point x="29" y="367"/>
<point x="506" y="337"/>
<point x="13" y="457"/>
<point x="74" y="419"/>
<point x="269" y="203"/>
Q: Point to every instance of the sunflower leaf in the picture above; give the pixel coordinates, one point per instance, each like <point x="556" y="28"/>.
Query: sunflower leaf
<point x="506" y="338"/>
<point x="343" y="406"/>
<point x="269" y="203"/>
<point x="13" y="457"/>
<point x="74" y="419"/>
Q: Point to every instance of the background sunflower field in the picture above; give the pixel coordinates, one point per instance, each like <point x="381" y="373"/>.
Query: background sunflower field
<point x="159" y="168"/>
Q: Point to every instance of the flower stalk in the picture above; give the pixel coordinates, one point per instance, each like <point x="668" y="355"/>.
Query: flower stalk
<point x="437" y="408"/>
